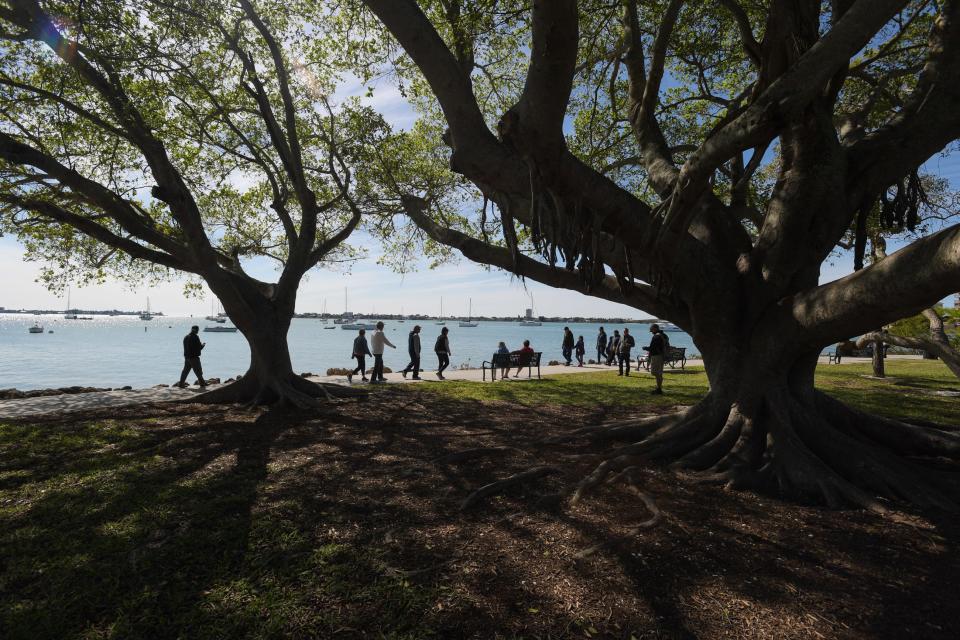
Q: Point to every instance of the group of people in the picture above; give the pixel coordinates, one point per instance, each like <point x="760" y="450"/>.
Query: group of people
<point x="618" y="347"/>
<point x="379" y="341"/>
<point x="609" y="348"/>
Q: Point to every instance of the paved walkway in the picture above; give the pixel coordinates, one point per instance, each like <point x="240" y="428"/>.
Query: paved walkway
<point x="68" y="403"/>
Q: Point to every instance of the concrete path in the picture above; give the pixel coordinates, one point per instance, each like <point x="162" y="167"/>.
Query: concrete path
<point x="69" y="403"/>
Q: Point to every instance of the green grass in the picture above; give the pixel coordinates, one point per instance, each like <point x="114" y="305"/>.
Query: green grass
<point x="112" y="531"/>
<point x="906" y="393"/>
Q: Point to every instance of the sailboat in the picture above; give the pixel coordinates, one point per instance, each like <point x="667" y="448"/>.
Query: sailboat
<point x="347" y="317"/>
<point x="469" y="321"/>
<point x="68" y="314"/>
<point x="402" y="317"/>
<point x="36" y="328"/>
<point x="441" y="320"/>
<point x="215" y="315"/>
<point x="146" y="315"/>
<point x="323" y="313"/>
<point x="529" y="320"/>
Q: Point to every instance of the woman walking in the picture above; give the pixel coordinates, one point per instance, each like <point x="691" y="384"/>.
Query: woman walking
<point x="442" y="349"/>
<point x="580" y="349"/>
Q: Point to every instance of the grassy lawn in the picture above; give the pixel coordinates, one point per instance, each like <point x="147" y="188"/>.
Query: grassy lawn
<point x="907" y="392"/>
<point x="217" y="523"/>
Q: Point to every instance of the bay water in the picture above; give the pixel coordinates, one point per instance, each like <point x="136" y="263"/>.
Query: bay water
<point x="114" y="351"/>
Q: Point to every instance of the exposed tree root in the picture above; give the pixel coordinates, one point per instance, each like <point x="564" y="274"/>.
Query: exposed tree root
<point x="629" y="429"/>
<point x="628" y="476"/>
<point x="816" y="450"/>
<point x="281" y="391"/>
<point x="501" y="485"/>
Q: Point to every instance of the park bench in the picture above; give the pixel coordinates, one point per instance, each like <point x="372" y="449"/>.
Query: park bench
<point x="513" y="360"/>
<point x="673" y="356"/>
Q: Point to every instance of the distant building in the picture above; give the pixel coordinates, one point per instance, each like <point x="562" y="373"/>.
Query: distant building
<point x="529" y="314"/>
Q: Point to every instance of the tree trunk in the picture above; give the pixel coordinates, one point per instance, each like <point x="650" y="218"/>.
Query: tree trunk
<point x="270" y="378"/>
<point x="764" y="426"/>
<point x="878" y="370"/>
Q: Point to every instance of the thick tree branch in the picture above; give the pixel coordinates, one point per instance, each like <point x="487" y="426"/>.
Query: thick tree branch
<point x="901" y="285"/>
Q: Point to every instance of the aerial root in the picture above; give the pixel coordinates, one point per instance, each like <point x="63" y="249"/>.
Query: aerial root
<point x="501" y="485"/>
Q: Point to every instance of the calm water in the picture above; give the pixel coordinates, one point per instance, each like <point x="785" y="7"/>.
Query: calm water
<point x="118" y="351"/>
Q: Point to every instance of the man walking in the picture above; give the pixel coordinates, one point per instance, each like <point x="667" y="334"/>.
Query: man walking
<point x="568" y="345"/>
<point x="377" y="342"/>
<point x="442" y="349"/>
<point x="601" y="346"/>
<point x="613" y="346"/>
<point x="656" y="351"/>
<point x="413" y="348"/>
<point x="360" y="352"/>
<point x="191" y="357"/>
<point x="623" y="356"/>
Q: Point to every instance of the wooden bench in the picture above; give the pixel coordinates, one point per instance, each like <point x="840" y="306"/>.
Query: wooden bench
<point x="512" y="360"/>
<point x="673" y="356"/>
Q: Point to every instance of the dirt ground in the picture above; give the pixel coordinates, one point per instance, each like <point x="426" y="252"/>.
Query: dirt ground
<point x="523" y="563"/>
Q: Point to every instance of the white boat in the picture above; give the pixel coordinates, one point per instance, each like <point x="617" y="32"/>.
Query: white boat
<point x="216" y="313"/>
<point x="347" y="317"/>
<point x="668" y="326"/>
<point x="330" y="327"/>
<point x="36" y="328"/>
<point x="68" y="314"/>
<point x="220" y="329"/>
<point x="469" y="321"/>
<point x="441" y="320"/>
<point x="355" y="326"/>
<point x="146" y="315"/>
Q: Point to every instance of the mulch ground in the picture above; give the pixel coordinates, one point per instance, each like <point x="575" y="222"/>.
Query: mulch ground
<point x="523" y="563"/>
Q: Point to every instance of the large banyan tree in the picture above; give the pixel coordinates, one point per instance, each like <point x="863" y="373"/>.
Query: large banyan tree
<point x="700" y="161"/>
<point x="146" y="138"/>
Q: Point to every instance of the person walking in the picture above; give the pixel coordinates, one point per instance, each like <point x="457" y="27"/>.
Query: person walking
<point x="378" y="341"/>
<point x="579" y="349"/>
<point x="656" y="352"/>
<point x="413" y="348"/>
<point x="623" y="356"/>
<point x="360" y="352"/>
<point x="601" y="346"/>
<point x="191" y="357"/>
<point x="613" y="346"/>
<point x="442" y="349"/>
<point x="567" y="345"/>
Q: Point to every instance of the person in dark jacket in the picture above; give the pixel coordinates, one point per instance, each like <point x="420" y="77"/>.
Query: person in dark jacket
<point x="601" y="346"/>
<point x="191" y="357"/>
<point x="442" y="348"/>
<point x="580" y="349"/>
<point x="360" y="351"/>
<point x="656" y="351"/>
<point x="613" y="346"/>
<point x="413" y="348"/>
<point x="567" y="345"/>
<point x="623" y="353"/>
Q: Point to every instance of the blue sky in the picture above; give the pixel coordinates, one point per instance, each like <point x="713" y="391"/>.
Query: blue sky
<point x="372" y="287"/>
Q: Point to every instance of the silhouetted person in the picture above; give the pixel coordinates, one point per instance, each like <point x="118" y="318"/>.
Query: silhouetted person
<point x="524" y="356"/>
<point x="601" y="346"/>
<point x="579" y="349"/>
<point x="503" y="351"/>
<point x="567" y="345"/>
<point x="623" y="353"/>
<point x="442" y="349"/>
<point x="656" y="351"/>
<point x="191" y="357"/>
<point x="360" y="352"/>
<point x="378" y="341"/>
<point x="413" y="348"/>
<point x="613" y="346"/>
